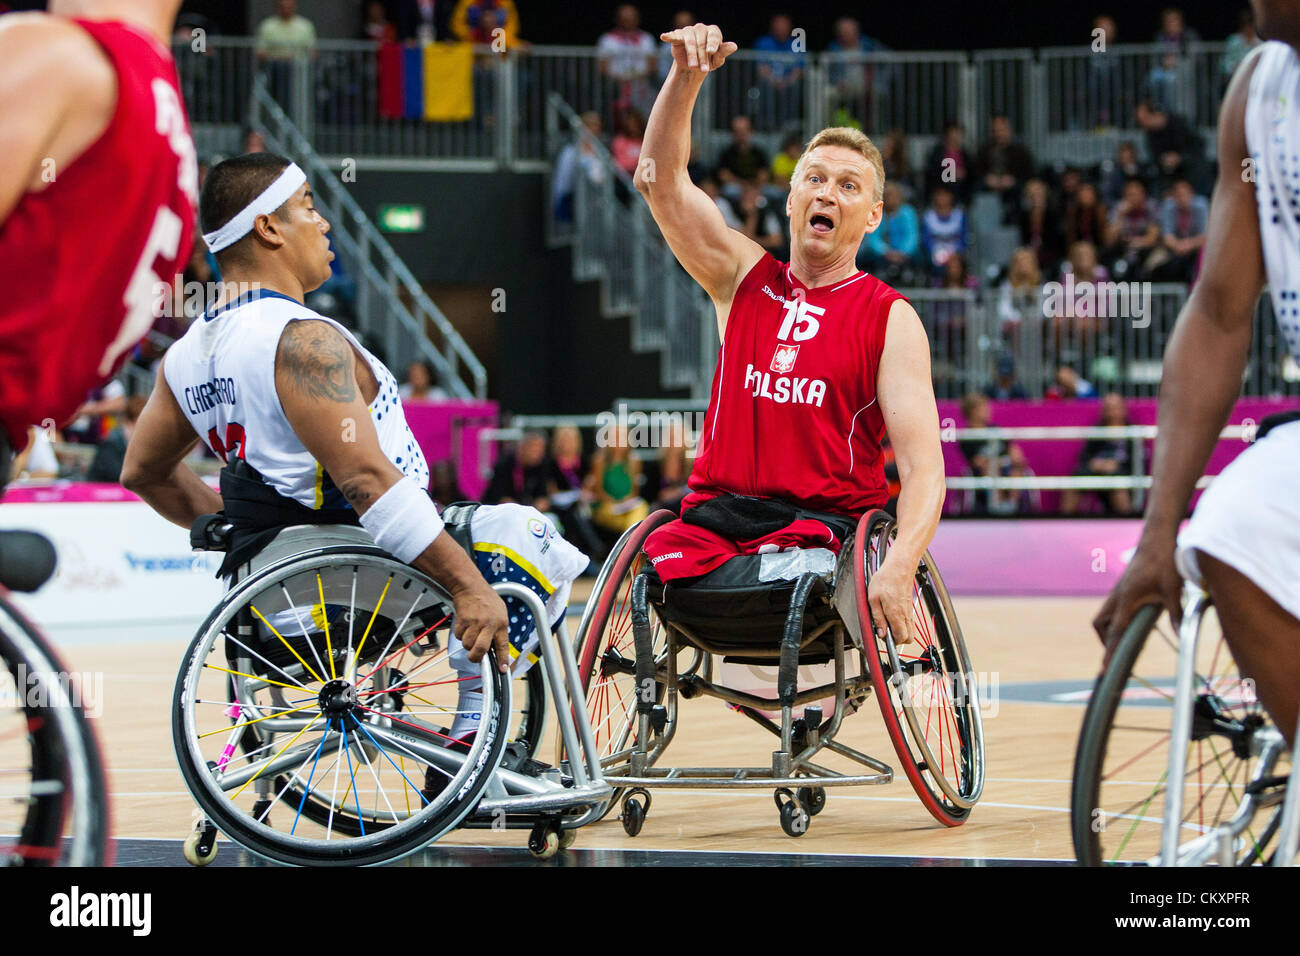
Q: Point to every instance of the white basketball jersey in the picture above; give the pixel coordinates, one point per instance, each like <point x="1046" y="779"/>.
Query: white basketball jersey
<point x="1273" y="142"/>
<point x="222" y="372"/>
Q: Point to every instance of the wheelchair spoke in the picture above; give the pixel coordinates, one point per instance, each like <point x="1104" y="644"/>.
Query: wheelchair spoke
<point x="234" y="640"/>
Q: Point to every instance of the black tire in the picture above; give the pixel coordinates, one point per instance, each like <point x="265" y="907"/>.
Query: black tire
<point x="62" y="754"/>
<point x="383" y="841"/>
<point x="1098" y="840"/>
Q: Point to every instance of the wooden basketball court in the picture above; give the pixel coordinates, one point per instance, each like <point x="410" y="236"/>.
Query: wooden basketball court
<point x="1035" y="658"/>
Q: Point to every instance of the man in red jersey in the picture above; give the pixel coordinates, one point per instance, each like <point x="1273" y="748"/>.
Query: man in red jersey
<point x="97" y="196"/>
<point x="818" y="360"/>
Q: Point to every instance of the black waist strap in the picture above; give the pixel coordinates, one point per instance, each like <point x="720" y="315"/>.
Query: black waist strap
<point x="258" y="512"/>
<point x="743" y="518"/>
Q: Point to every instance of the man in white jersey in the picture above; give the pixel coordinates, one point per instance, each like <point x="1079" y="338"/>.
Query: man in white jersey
<point x="1243" y="542"/>
<point x="273" y="387"/>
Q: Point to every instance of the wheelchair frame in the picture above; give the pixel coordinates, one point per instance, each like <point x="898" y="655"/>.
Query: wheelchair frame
<point x="801" y="739"/>
<point x="549" y="805"/>
<point x="1192" y="719"/>
<point x="1219" y="845"/>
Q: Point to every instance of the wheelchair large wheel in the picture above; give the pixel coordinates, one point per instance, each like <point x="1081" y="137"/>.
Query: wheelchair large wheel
<point x="606" y="652"/>
<point x="1120" y="784"/>
<point x="926" y="692"/>
<point x="55" y="806"/>
<point x="323" y="757"/>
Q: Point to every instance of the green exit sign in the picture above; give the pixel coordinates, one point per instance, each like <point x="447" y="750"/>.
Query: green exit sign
<point x="401" y="218"/>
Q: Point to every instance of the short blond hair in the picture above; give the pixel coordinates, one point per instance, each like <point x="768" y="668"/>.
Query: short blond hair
<point x="853" y="139"/>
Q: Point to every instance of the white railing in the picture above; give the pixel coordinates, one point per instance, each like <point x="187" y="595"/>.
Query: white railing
<point x="1068" y="104"/>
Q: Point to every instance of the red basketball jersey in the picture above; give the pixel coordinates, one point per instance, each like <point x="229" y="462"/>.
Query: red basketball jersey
<point x="793" y="412"/>
<point x="80" y="261"/>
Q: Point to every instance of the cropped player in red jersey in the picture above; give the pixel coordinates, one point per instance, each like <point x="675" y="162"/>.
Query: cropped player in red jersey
<point x="98" y="189"/>
<point x="818" y="359"/>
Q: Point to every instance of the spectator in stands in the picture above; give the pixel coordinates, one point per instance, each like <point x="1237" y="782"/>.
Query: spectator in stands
<point x="1115" y="173"/>
<point x="281" y="39"/>
<point x="625" y="147"/>
<point x="897" y="163"/>
<point x="1173" y="145"/>
<point x="681" y="20"/>
<point x="890" y="253"/>
<point x="573" y="495"/>
<point x="106" y="466"/>
<point x="949" y="164"/>
<point x="419" y="22"/>
<point x="1239" y="45"/>
<point x="578" y="157"/>
<point x="1108" y="457"/>
<point x="617" y="483"/>
<point x="1103" y="72"/>
<point x="627" y="61"/>
<point x="476" y="21"/>
<point x="1174" y="33"/>
<point x="1170" y="85"/>
<point x="1013" y="501"/>
<point x="286" y="35"/>
<point x="1040" y="229"/>
<point x="943" y="229"/>
<point x="419" y="385"/>
<point x="1134" y="229"/>
<point x="377" y="27"/>
<point x="1005" y="385"/>
<point x="780" y="73"/>
<point x="759" y="221"/>
<point x="36" y="462"/>
<point x="710" y="187"/>
<point x="1086" y="271"/>
<point x="254" y="141"/>
<point x="742" y="161"/>
<point x="985" y="457"/>
<point x="1018" y="295"/>
<point x="444" y="486"/>
<point x="1002" y="164"/>
<point x="1070" y="385"/>
<point x="526" y="477"/>
<point x="783" y="163"/>
<point x="1184" y="217"/>
<point x="1085" y="217"/>
<point x="97" y="415"/>
<point x="851" y="76"/>
<point x="665" y="485"/>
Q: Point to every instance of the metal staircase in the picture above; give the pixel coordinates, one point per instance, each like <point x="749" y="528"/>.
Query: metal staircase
<point x="615" y="241"/>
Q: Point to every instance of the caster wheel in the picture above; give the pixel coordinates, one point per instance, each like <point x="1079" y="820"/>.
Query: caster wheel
<point x="633" y="816"/>
<point x="794" y="819"/>
<point x="200" y="847"/>
<point x="813" y="798"/>
<point x="544" y="841"/>
<point x="568" y="838"/>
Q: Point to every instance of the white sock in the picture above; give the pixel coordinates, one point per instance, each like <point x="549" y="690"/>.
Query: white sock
<point x="469" y="705"/>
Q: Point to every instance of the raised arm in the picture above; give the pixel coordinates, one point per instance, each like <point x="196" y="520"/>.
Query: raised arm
<point x="716" y="257"/>
<point x="1202" y="372"/>
<point x="315" y="378"/>
<point x="906" y="395"/>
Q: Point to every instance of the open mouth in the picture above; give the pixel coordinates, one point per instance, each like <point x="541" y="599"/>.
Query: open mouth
<point x="821" y="224"/>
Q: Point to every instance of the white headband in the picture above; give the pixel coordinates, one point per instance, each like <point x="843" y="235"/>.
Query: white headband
<point x="271" y="199"/>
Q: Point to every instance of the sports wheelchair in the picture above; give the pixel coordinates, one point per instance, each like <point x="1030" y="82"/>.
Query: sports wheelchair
<point x="1177" y="762"/>
<point x="643" y="644"/>
<point x="310" y="715"/>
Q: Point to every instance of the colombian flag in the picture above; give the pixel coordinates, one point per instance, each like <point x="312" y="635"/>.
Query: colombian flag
<point x="433" y="82"/>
